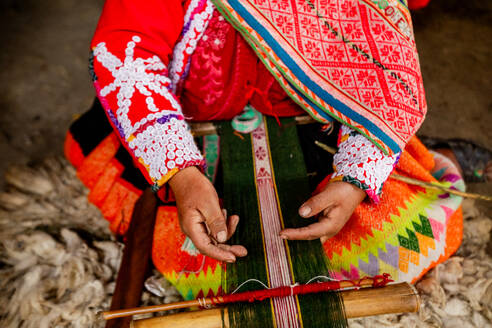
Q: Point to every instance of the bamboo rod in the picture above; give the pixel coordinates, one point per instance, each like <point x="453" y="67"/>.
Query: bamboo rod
<point x="416" y="182"/>
<point x="109" y="315"/>
<point x="396" y="298"/>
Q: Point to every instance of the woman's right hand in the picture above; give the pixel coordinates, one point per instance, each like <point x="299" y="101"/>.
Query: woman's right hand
<point x="201" y="218"/>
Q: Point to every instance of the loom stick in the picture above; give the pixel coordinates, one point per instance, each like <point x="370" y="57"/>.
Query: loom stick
<point x="135" y="264"/>
<point x="396" y="298"/>
<point x="377" y="281"/>
<point x="207" y="128"/>
<point x="416" y="182"/>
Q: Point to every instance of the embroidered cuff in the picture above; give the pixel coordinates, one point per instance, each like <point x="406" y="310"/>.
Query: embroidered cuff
<point x="164" y="149"/>
<point x="135" y="92"/>
<point x="359" y="162"/>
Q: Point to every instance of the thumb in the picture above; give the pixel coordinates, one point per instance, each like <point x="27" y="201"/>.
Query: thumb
<point x="215" y="220"/>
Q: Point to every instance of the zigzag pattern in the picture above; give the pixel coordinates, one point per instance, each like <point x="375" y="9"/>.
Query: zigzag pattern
<point x="204" y="284"/>
<point x="407" y="235"/>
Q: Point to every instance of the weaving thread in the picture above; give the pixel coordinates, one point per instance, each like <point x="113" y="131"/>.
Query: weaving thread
<point x="269" y="172"/>
<point x="286" y="292"/>
<point x="278" y="259"/>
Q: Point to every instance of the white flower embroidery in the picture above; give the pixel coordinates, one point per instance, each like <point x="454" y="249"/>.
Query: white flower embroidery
<point x="135" y="74"/>
<point x="152" y="142"/>
<point x="187" y="45"/>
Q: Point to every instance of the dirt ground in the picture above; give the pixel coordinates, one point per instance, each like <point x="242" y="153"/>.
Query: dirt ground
<point x="44" y="81"/>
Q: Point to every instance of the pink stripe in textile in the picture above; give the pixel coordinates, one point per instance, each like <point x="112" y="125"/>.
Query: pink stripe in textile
<point x="285" y="309"/>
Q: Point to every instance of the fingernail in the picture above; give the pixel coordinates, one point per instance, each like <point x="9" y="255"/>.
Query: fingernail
<point x="304" y="211"/>
<point x="221" y="236"/>
<point x="231" y="260"/>
<point x="283" y="237"/>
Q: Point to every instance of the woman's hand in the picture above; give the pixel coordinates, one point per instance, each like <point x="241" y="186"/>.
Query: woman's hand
<point x="201" y="218"/>
<point x="334" y="206"/>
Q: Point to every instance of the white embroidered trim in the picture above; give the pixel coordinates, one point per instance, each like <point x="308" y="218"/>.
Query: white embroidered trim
<point x="359" y="158"/>
<point x="187" y="45"/>
<point x="135" y="74"/>
<point x="163" y="147"/>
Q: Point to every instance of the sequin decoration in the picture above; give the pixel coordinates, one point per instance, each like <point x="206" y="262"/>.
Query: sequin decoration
<point x="359" y="162"/>
<point x="159" y="138"/>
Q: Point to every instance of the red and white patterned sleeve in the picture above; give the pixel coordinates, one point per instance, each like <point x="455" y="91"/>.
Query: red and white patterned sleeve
<point x="359" y="162"/>
<point x="131" y="50"/>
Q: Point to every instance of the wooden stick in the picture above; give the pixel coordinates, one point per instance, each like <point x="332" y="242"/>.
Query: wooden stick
<point x="207" y="128"/>
<point x="396" y="298"/>
<point x="416" y="182"/>
<point x="135" y="264"/>
<point x="108" y="315"/>
<point x="437" y="186"/>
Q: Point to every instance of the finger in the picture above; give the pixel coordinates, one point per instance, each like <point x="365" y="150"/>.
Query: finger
<point x="204" y="244"/>
<point x="329" y="225"/>
<point x="316" y="204"/>
<point x="237" y="250"/>
<point x="215" y="220"/>
<point x="312" y="231"/>
<point x="232" y="223"/>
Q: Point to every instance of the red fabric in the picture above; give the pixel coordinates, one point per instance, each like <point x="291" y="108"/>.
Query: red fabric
<point x="73" y="152"/>
<point x="225" y="74"/>
<point x="417" y="4"/>
<point x="160" y="21"/>
<point x="159" y="25"/>
<point x="134" y="42"/>
<point x="95" y="163"/>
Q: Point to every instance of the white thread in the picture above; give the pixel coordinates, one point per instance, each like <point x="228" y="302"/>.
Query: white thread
<point x="249" y="280"/>
<point x="323" y="277"/>
<point x="292" y="288"/>
<point x="277" y="259"/>
<point x="203" y="303"/>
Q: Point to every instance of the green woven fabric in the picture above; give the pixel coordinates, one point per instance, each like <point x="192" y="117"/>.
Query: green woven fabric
<point x="308" y="260"/>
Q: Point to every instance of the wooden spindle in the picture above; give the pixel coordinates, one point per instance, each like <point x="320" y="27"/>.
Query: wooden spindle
<point x="396" y="298"/>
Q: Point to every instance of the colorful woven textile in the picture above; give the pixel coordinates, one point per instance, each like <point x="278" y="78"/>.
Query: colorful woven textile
<point x="411" y="230"/>
<point x="354" y="61"/>
<point x="408" y="232"/>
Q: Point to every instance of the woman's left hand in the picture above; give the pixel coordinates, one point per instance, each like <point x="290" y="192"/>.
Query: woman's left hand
<point x="334" y="206"/>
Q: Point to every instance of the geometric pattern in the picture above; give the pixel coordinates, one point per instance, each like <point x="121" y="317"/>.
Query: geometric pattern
<point x="410" y="231"/>
<point x="367" y="61"/>
<point x="405" y="235"/>
<point x="354" y="60"/>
